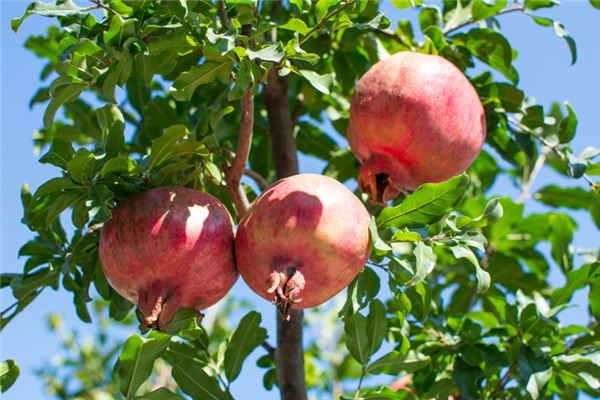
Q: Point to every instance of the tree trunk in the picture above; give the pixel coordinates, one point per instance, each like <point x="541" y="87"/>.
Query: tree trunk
<point x="290" y="354"/>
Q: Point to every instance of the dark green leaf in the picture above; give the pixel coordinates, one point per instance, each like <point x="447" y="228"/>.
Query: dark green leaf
<point x="376" y="326"/>
<point x="136" y="361"/>
<point x="160" y="394"/>
<point x="556" y="196"/>
<point x="568" y="126"/>
<point x="561" y="32"/>
<point x="535" y="372"/>
<point x="357" y="339"/>
<point x="247" y="336"/>
<point x="82" y="167"/>
<point x="426" y="205"/>
<point x="192" y="379"/>
<point x="60" y="153"/>
<point x="492" y="48"/>
<point x="163" y="146"/>
<point x="61" y="96"/>
<point x="396" y="363"/>
<point x="187" y="82"/>
<point x="342" y="166"/>
<point x="56" y="8"/>
<point x="9" y="372"/>
<point x="483" y="277"/>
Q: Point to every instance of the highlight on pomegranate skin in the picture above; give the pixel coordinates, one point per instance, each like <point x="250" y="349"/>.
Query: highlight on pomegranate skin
<point x="168" y="248"/>
<point x="414" y="118"/>
<point x="302" y="241"/>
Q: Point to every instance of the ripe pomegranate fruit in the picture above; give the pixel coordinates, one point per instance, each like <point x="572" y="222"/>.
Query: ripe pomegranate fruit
<point x="302" y="241"/>
<point x="414" y="118"/>
<point x="167" y="248"/>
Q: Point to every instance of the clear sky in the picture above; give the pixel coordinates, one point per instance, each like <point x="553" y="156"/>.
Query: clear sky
<point x="544" y="66"/>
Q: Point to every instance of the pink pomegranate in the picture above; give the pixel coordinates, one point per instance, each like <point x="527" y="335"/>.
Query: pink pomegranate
<point x="168" y="248"/>
<point x="414" y="118"/>
<point x="303" y="240"/>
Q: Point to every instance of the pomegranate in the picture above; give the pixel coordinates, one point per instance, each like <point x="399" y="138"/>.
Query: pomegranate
<point x="302" y="241"/>
<point x="414" y="118"/>
<point x="168" y="248"/>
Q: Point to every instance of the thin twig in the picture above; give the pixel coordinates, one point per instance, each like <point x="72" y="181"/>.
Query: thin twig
<point x="552" y="147"/>
<point x="223" y="15"/>
<point x="326" y="18"/>
<point x="393" y="35"/>
<point x="103" y="6"/>
<point x="270" y="349"/>
<point x="263" y="184"/>
<point x="360" y="381"/>
<point x="526" y="187"/>
<point x="233" y="174"/>
<point x="472" y="21"/>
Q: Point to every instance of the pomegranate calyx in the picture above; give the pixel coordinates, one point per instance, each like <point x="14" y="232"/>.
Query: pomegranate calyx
<point x="286" y="287"/>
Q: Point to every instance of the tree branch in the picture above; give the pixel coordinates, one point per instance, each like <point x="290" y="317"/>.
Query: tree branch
<point x="326" y="18"/>
<point x="233" y="174"/>
<point x="552" y="147"/>
<point x="223" y="14"/>
<point x="289" y="356"/>
<point x="263" y="184"/>
<point x="472" y="21"/>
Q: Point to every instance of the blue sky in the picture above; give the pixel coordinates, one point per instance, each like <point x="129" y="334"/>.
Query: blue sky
<point x="546" y="73"/>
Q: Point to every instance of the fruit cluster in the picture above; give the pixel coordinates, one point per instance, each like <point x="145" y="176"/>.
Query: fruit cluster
<point x="414" y="118"/>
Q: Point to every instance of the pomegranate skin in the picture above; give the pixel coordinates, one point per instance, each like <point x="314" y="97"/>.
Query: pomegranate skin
<point x="414" y="118"/>
<point x="302" y="241"/>
<point x="167" y="248"/>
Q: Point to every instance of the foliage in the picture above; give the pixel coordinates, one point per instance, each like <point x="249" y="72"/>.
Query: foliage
<point x="140" y="94"/>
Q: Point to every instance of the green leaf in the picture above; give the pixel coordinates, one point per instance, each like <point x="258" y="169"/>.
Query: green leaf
<point x="136" y="361"/>
<point x="561" y="32"/>
<point x="595" y="3"/>
<point x="490" y="47"/>
<point x="186" y="83"/>
<point x="357" y="340"/>
<point x="322" y="83"/>
<point x="342" y="166"/>
<point x="396" y="363"/>
<point x="247" y="336"/>
<point x="59" y="8"/>
<point x="272" y="52"/>
<point x="24" y="285"/>
<point x="82" y="167"/>
<point x="568" y="126"/>
<point x="119" y="31"/>
<point x="121" y="166"/>
<point x="536" y="4"/>
<point x="54" y="185"/>
<point x="9" y="372"/>
<point x="483" y="277"/>
<point x="322" y="6"/>
<point x="576" y="279"/>
<point x="377" y="243"/>
<point x="574" y="198"/>
<point x="163" y="146"/>
<point x="429" y="203"/>
<point x="60" y="153"/>
<point x="594" y="294"/>
<point x="424" y="265"/>
<point x="192" y="379"/>
<point x="160" y="394"/>
<point x="587" y="367"/>
<point x="535" y="372"/>
<point x="376" y="326"/>
<point x="62" y="95"/>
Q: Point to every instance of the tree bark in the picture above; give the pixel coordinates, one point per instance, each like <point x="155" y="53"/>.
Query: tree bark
<point x="289" y="355"/>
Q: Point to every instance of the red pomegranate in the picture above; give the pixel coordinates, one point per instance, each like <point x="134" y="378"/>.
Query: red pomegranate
<point x="168" y="248"/>
<point x="303" y="240"/>
<point x="414" y="118"/>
